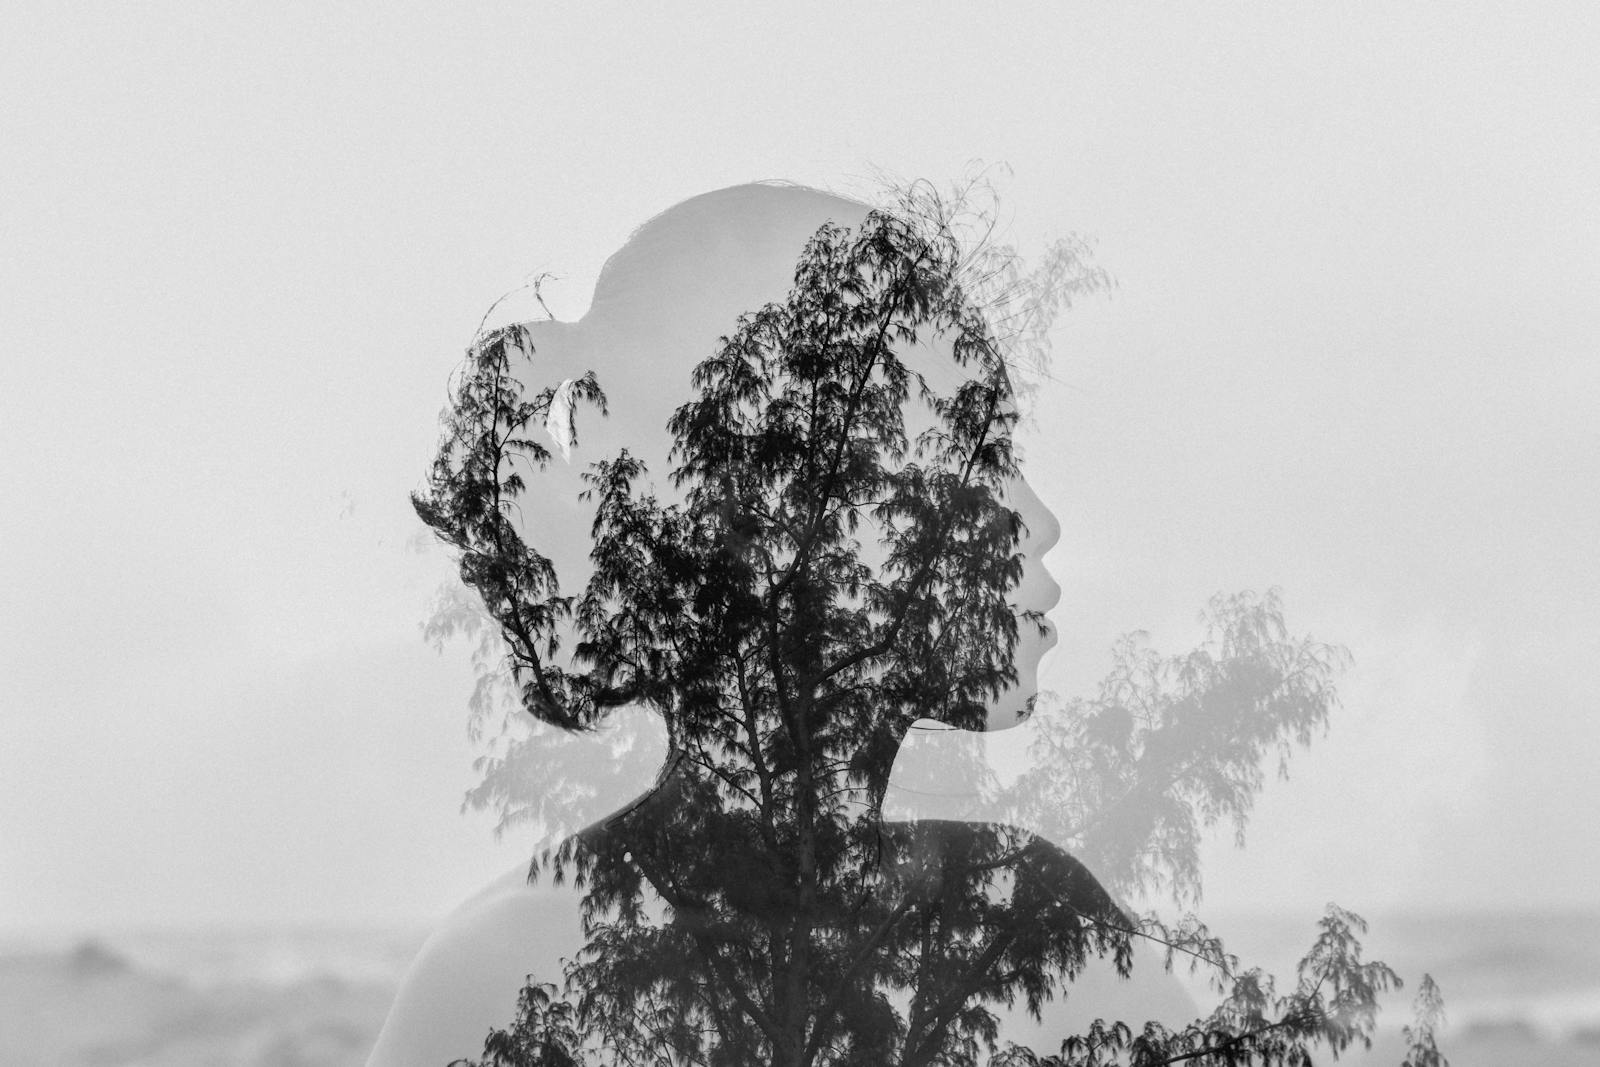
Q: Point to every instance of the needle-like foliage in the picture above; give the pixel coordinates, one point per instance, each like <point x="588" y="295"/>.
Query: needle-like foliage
<point x="839" y="561"/>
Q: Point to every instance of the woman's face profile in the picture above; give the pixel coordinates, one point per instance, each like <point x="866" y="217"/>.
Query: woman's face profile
<point x="1038" y="591"/>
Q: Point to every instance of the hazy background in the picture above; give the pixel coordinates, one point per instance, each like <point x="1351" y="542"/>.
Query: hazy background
<point x="1352" y="353"/>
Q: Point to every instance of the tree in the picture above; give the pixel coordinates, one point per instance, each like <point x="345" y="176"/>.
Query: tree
<point x="839" y="565"/>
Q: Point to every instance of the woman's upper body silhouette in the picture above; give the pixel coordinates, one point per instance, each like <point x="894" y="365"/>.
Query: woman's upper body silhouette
<point x="685" y="849"/>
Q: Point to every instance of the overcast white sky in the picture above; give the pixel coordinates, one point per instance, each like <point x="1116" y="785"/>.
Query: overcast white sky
<point x="1352" y="353"/>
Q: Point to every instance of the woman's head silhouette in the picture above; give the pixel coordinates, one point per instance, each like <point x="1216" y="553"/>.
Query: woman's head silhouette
<point x="664" y="303"/>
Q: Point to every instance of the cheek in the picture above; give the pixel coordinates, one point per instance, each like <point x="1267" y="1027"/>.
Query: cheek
<point x="556" y="522"/>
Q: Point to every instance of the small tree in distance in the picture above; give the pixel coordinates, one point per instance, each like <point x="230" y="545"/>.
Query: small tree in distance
<point x="840" y="564"/>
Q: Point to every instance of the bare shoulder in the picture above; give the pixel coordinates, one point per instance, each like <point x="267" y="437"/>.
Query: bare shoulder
<point x="465" y="979"/>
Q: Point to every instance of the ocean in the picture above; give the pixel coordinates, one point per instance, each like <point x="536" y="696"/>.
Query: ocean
<point x="1519" y="987"/>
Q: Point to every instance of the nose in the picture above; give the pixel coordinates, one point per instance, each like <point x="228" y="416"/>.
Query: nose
<point x="1050" y="536"/>
<point x="1044" y="529"/>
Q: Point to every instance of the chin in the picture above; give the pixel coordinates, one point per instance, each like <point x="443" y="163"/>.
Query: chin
<point x="1031" y="650"/>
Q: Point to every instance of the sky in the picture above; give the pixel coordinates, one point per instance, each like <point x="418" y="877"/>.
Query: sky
<point x="1350" y="353"/>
